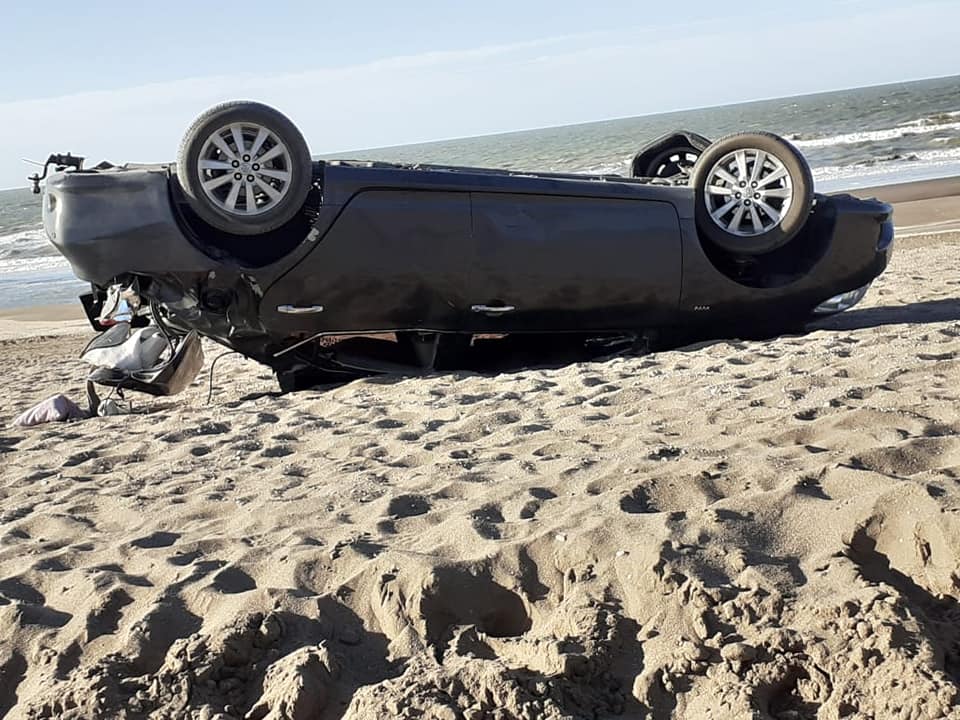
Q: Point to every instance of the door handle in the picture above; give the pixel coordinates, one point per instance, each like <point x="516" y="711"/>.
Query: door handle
<point x="492" y="309"/>
<point x="299" y="309"/>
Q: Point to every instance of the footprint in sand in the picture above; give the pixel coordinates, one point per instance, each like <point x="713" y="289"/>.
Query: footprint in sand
<point x="534" y="428"/>
<point x="213" y="428"/>
<point x="937" y="356"/>
<point x="404" y="506"/>
<point x="638" y="502"/>
<point x="80" y="458"/>
<point x="388" y="424"/>
<point x="104" y="618"/>
<point x="532" y="507"/>
<point x="486" y="519"/>
<point x="156" y="540"/>
<point x="182" y="559"/>
<point x="15" y="589"/>
<point x="248" y="446"/>
<point x="473" y="399"/>
<point x="233" y="580"/>
<point x="52" y="564"/>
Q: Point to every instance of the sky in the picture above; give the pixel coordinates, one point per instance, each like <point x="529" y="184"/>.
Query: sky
<point x="118" y="80"/>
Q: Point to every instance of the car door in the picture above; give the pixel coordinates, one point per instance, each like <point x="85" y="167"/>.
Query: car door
<point x="566" y="263"/>
<point x="392" y="260"/>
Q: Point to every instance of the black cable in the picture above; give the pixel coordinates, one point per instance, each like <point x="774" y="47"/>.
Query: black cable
<point x="155" y="312"/>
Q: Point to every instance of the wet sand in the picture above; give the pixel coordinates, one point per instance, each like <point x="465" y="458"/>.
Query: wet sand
<point x="929" y="207"/>
<point x="740" y="529"/>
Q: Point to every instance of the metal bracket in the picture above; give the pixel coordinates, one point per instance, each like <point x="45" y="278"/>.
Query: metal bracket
<point x="492" y="309"/>
<point x="61" y="162"/>
<point x="299" y="309"/>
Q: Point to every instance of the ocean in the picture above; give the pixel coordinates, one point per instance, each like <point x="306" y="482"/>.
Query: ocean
<point x="852" y="138"/>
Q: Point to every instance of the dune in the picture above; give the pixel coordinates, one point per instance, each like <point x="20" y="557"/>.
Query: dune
<point x="737" y="529"/>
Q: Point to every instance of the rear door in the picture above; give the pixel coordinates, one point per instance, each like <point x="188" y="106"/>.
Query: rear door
<point x="562" y="263"/>
<point x="393" y="260"/>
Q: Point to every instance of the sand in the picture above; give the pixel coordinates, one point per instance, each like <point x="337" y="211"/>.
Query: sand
<point x="740" y="529"/>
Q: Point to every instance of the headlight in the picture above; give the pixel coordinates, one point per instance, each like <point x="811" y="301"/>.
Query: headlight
<point x="841" y="302"/>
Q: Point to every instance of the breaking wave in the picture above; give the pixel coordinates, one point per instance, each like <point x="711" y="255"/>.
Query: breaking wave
<point x="922" y="165"/>
<point x="619" y="168"/>
<point x="33" y="265"/>
<point x="25" y="244"/>
<point x="940" y="122"/>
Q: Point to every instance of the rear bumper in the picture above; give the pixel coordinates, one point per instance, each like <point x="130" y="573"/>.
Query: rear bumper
<point x="115" y="222"/>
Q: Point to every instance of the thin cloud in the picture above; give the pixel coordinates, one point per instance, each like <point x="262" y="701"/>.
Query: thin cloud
<point x="443" y="94"/>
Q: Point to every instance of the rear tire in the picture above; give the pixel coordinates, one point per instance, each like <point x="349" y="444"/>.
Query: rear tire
<point x="671" y="156"/>
<point x="754" y="193"/>
<point x="244" y="168"/>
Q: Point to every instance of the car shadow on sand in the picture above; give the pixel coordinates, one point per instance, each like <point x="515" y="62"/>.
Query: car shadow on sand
<point x="928" y="311"/>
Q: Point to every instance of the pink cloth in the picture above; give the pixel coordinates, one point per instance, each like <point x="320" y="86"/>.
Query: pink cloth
<point x="53" y="409"/>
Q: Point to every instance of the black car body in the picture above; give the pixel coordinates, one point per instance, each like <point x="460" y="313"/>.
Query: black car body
<point x="429" y="251"/>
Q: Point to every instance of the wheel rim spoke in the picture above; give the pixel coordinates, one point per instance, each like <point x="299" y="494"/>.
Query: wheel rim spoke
<point x="250" y="194"/>
<point x="222" y="146"/>
<point x="771" y="213"/>
<point x="725" y="176"/>
<point x="262" y="135"/>
<point x="231" y="201"/>
<point x="772" y="177"/>
<point x="780" y="193"/>
<point x="215" y="165"/>
<point x="217" y="182"/>
<point x="275" y="174"/>
<point x="741" y="158"/>
<point x="737" y="217"/>
<point x="755" y="220"/>
<point x="237" y="133"/>
<point x="724" y="209"/>
<point x="758" y="166"/>
<point x="274" y="152"/>
<point x="720" y="190"/>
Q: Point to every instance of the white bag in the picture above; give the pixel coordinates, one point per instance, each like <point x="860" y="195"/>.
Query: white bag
<point x="140" y="351"/>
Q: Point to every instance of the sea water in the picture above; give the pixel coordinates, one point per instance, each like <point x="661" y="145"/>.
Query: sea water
<point x="852" y="138"/>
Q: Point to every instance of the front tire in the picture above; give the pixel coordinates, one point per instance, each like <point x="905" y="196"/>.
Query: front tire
<point x="244" y="168"/>
<point x="754" y="193"/>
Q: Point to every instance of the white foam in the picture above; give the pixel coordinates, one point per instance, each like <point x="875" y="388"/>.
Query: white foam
<point x="619" y="168"/>
<point x="33" y="265"/>
<point x="931" y="120"/>
<point x="875" y="135"/>
<point x="924" y="158"/>
<point x="930" y="164"/>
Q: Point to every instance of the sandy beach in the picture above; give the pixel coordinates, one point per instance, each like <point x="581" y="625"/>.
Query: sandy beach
<point x="736" y="530"/>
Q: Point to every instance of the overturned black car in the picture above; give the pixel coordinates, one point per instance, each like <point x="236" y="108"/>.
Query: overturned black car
<point x="320" y="268"/>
